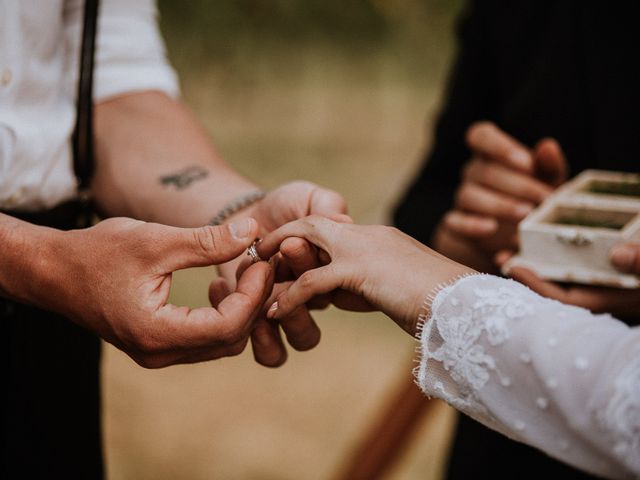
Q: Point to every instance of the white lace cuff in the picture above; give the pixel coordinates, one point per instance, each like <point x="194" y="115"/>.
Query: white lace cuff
<point x="551" y="375"/>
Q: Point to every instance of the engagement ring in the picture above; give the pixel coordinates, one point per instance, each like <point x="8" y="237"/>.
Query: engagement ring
<point x="253" y="253"/>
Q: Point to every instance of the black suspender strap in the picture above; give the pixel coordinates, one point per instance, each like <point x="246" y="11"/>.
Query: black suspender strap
<point x="83" y="154"/>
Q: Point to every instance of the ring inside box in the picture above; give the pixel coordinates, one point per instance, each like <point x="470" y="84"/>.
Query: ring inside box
<point x="590" y="217"/>
<point x="608" y="187"/>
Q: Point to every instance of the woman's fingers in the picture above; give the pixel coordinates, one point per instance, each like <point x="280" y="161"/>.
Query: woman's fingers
<point x="310" y="284"/>
<point x="318" y="230"/>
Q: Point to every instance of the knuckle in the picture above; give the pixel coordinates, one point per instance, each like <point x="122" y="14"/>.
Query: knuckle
<point x="389" y="230"/>
<point x="295" y="248"/>
<point x="307" y="279"/>
<point x="147" y="345"/>
<point x="236" y="349"/>
<point x="233" y="334"/>
<point x="148" y="361"/>
<point x="208" y="239"/>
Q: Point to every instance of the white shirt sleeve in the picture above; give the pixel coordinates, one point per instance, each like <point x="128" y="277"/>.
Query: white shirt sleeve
<point x="553" y="376"/>
<point x="130" y="53"/>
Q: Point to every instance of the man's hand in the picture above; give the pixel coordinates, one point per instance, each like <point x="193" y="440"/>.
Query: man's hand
<point x="501" y="184"/>
<point x="285" y="204"/>
<point x="114" y="279"/>
<point x="155" y="163"/>
<point x="617" y="301"/>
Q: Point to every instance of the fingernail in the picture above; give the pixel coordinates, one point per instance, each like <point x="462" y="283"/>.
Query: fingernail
<point x="523" y="210"/>
<point x="521" y="159"/>
<point x="272" y="310"/>
<point x="623" y="257"/>
<point x="241" y="229"/>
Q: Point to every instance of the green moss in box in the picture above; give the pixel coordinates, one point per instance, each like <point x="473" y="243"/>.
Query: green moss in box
<point x="627" y="189"/>
<point x="588" y="222"/>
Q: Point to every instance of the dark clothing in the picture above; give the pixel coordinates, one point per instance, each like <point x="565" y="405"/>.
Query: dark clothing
<point x="51" y="408"/>
<point x="562" y="69"/>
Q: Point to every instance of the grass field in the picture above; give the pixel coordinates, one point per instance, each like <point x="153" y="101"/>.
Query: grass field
<point x="344" y="97"/>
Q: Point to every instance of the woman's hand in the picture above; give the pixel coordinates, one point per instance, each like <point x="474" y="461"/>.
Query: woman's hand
<point x="379" y="265"/>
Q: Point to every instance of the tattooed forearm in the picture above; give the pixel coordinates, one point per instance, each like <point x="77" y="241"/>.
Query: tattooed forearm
<point x="182" y="179"/>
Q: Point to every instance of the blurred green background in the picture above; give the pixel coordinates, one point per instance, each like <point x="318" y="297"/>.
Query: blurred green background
<point x="341" y="93"/>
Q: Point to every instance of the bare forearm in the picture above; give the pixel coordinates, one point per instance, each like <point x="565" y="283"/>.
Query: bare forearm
<point x="155" y="163"/>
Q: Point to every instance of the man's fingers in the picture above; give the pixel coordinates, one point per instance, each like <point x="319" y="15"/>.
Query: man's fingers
<point x="327" y="203"/>
<point x="267" y="344"/>
<point x="310" y="284"/>
<point x="180" y="327"/>
<point x="470" y="225"/>
<point x="550" y="162"/>
<point x="197" y="247"/>
<point x="506" y="180"/>
<point x="486" y="139"/>
<point x="218" y="290"/>
<point x="480" y="200"/>
<point x="301" y="329"/>
<point x="626" y="258"/>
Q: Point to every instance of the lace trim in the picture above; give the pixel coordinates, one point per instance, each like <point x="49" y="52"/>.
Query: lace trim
<point x="423" y="333"/>
<point x="621" y="416"/>
<point x="453" y="364"/>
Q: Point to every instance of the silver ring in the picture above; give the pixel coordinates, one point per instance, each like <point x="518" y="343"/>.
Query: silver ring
<point x="253" y="253"/>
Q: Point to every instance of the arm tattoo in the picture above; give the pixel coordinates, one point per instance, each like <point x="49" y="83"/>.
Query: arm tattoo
<point x="182" y="179"/>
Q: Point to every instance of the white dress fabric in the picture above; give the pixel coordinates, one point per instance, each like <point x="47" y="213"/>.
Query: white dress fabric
<point x="554" y="376"/>
<point x="39" y="51"/>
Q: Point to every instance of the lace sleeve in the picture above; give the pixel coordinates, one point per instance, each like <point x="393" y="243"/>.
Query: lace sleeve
<point x="553" y="376"/>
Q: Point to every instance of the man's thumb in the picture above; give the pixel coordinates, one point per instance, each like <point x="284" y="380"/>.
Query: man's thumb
<point x="198" y="247"/>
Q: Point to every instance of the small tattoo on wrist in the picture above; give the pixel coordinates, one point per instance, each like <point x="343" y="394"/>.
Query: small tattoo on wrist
<point x="182" y="179"/>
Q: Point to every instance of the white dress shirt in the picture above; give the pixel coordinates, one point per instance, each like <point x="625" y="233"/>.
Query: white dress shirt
<point x="39" y="50"/>
<point x="553" y="376"/>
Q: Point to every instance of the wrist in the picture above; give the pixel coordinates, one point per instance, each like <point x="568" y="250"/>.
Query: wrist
<point x="242" y="206"/>
<point x="424" y="291"/>
<point x="29" y="262"/>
